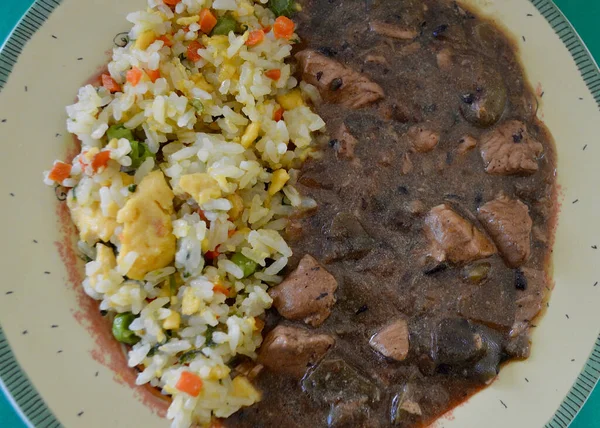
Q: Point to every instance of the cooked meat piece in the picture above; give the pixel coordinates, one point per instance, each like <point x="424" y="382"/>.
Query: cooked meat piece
<point x="306" y="294"/>
<point x="466" y="144"/>
<point x="393" y="31"/>
<point x="508" y="223"/>
<point x="510" y="150"/>
<point x="529" y="301"/>
<point x="346" y="142"/>
<point x="336" y="82"/>
<point x="455" y="239"/>
<point x="377" y="59"/>
<point x="292" y="350"/>
<point x="406" y="165"/>
<point x="392" y="340"/>
<point x="423" y="140"/>
<point x="492" y="304"/>
<point x="444" y="59"/>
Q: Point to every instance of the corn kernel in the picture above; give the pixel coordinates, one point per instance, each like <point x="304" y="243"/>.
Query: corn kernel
<point x="237" y="206"/>
<point x="219" y="372"/>
<point x="184" y="22"/>
<point x="145" y="39"/>
<point x="190" y="304"/>
<point x="242" y="388"/>
<point x="291" y="100"/>
<point x="278" y="180"/>
<point x="172" y="322"/>
<point x="250" y="134"/>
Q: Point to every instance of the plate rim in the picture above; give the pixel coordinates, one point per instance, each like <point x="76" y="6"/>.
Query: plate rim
<point x="29" y="404"/>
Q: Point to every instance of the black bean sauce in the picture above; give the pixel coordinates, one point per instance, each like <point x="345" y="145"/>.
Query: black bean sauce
<point x="383" y="271"/>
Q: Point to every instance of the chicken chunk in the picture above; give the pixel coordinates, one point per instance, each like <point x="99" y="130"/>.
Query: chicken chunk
<point x="529" y="299"/>
<point x="510" y="150"/>
<point x="392" y="340"/>
<point x="466" y="144"/>
<point x="147" y="228"/>
<point x="455" y="239"/>
<point x="508" y="223"/>
<point x="423" y="140"/>
<point x="336" y="82"/>
<point x="306" y="294"/>
<point x="292" y="350"/>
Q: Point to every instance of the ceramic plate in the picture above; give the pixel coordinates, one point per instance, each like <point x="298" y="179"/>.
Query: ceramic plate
<point x="58" y="363"/>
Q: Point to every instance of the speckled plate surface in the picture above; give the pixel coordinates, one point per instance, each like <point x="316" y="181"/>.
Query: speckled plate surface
<point x="59" y="370"/>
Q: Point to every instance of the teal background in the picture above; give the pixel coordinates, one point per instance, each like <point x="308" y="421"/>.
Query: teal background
<point x="583" y="14"/>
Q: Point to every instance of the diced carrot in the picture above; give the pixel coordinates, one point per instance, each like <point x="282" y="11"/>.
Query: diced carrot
<point x="218" y="288"/>
<point x="110" y="83"/>
<point x="278" y="114"/>
<point x="255" y="37"/>
<point x="260" y="324"/>
<point x="100" y="160"/>
<point x="274" y="74"/>
<point x="267" y="29"/>
<point x="153" y="75"/>
<point x="166" y="40"/>
<point x="283" y="27"/>
<point x="211" y="255"/>
<point x="171" y="2"/>
<point x="60" y="171"/>
<point x="207" y="20"/>
<point x="134" y="76"/>
<point x="192" y="51"/>
<point x="215" y="423"/>
<point x="189" y="383"/>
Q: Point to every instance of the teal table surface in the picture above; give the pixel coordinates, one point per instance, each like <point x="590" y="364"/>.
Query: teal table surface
<point x="583" y="14"/>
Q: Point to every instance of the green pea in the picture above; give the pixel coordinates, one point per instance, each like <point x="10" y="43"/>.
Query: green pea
<point x="247" y="265"/>
<point x="224" y="25"/>
<point x="120" y="328"/>
<point x="118" y="132"/>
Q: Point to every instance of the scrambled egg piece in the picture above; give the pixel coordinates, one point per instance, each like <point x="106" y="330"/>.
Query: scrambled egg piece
<point x="90" y="222"/>
<point x="147" y="227"/>
<point x="200" y="186"/>
<point x="106" y="258"/>
<point x="93" y="226"/>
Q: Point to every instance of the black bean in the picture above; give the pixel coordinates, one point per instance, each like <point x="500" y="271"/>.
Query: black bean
<point x="467" y="98"/>
<point x="440" y="30"/>
<point x="520" y="280"/>
<point x="336" y="84"/>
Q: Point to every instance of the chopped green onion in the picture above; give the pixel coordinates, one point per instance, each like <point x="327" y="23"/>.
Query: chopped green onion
<point x="197" y="104"/>
<point x="139" y="153"/>
<point x="132" y="188"/>
<point x="118" y="132"/>
<point x="282" y="7"/>
<point x="224" y="25"/>
<point x="248" y="266"/>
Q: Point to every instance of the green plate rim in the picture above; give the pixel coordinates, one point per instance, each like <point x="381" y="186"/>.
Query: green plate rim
<point x="29" y="403"/>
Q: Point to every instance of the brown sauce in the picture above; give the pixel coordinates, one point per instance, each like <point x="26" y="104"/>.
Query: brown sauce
<point x="430" y="154"/>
